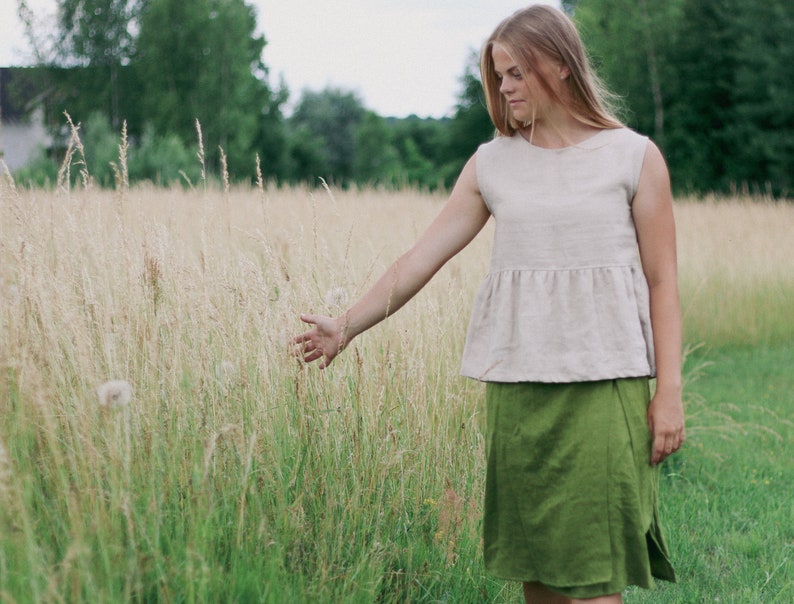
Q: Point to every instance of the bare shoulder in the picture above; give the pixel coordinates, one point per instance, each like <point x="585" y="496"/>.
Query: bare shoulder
<point x="654" y="166"/>
<point x="466" y="194"/>
<point x="653" y="189"/>
<point x="468" y="176"/>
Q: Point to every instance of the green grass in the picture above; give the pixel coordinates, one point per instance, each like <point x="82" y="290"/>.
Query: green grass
<point x="728" y="499"/>
<point x="341" y="506"/>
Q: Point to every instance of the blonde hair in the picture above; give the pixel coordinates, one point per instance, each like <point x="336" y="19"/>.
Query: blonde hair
<point x="541" y="29"/>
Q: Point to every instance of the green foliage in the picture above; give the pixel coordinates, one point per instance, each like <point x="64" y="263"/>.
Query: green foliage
<point x="101" y="146"/>
<point x="163" y="160"/>
<point x="702" y="108"/>
<point x="42" y="172"/>
<point x="97" y="32"/>
<point x="376" y="158"/>
<point x="708" y="79"/>
<point x="201" y="60"/>
<point x="627" y="41"/>
<point x="327" y="120"/>
<point x="306" y="160"/>
<point x="98" y="36"/>
<point x="421" y="146"/>
<point x="762" y="132"/>
<point x="471" y="126"/>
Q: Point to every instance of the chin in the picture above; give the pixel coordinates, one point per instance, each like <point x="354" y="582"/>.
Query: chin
<point x="521" y="116"/>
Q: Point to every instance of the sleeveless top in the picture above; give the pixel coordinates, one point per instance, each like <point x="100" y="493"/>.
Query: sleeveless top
<point x="565" y="298"/>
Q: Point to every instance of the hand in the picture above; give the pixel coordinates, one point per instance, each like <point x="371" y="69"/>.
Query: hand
<point x="666" y="421"/>
<point x="324" y="341"/>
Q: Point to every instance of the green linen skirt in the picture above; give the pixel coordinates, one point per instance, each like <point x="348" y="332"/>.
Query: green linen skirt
<point x="570" y="495"/>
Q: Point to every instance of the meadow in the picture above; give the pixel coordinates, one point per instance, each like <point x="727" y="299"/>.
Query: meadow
<point x="223" y="470"/>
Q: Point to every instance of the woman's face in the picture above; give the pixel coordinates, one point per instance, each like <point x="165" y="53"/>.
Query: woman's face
<point x="527" y="98"/>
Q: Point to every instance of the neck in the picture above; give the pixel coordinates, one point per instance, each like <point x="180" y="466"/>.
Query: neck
<point x="557" y="133"/>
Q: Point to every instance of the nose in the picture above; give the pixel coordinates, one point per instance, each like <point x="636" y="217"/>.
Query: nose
<point x="505" y="86"/>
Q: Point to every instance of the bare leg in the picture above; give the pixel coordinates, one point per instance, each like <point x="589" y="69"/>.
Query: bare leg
<point x="537" y="593"/>
<point x="612" y="599"/>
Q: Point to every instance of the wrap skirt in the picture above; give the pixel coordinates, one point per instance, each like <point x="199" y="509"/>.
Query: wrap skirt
<point x="570" y="495"/>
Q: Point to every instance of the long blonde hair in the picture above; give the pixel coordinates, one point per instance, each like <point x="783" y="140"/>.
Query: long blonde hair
<point x="546" y="30"/>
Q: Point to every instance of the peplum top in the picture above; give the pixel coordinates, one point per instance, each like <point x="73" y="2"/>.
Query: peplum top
<point x="565" y="298"/>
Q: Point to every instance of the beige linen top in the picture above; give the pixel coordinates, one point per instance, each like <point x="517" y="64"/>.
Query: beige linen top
<point x="565" y="298"/>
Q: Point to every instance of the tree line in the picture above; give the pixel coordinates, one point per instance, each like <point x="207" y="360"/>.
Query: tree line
<point x="709" y="80"/>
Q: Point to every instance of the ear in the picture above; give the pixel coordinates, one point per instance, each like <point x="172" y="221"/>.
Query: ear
<point x="564" y="71"/>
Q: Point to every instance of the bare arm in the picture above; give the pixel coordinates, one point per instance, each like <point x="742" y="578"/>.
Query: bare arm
<point x="462" y="217"/>
<point x="653" y="216"/>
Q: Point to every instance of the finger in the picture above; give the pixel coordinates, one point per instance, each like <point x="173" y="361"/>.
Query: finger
<point x="304" y="337"/>
<point x="657" y="453"/>
<point x="326" y="361"/>
<point x="311" y="319"/>
<point x="313" y="356"/>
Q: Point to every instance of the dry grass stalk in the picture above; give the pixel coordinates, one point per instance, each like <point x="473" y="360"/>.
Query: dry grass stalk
<point x="75" y="145"/>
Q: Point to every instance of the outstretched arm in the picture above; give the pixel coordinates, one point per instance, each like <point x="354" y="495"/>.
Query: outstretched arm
<point x="653" y="217"/>
<point x="462" y="217"/>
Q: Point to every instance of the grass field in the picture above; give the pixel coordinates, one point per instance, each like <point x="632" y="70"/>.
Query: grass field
<point x="234" y="474"/>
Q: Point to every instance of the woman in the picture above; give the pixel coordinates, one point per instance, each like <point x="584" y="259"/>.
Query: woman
<point x="579" y="310"/>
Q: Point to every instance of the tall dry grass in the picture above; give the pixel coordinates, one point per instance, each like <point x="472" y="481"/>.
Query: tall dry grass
<point x="228" y="447"/>
<point x="232" y="468"/>
<point x="736" y="268"/>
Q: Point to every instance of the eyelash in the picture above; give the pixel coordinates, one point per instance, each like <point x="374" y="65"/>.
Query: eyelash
<point x="516" y="75"/>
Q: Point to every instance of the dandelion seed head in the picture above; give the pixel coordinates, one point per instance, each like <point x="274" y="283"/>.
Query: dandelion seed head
<point x="336" y="296"/>
<point x="114" y="394"/>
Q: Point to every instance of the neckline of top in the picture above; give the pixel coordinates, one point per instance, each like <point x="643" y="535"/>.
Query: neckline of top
<point x="583" y="144"/>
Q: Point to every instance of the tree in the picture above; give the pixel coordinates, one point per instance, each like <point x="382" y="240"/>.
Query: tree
<point x="471" y="125"/>
<point x="761" y="134"/>
<point x="325" y="124"/>
<point x="98" y="32"/>
<point x="701" y="108"/>
<point x="90" y="67"/>
<point x="376" y="159"/>
<point x="201" y="60"/>
<point x="627" y="40"/>
<point x="421" y="146"/>
<point x="712" y="85"/>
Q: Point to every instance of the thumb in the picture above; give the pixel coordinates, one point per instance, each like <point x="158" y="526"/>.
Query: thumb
<point x="311" y="319"/>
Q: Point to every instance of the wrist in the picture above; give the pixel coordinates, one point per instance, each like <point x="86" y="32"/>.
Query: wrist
<point x="345" y="329"/>
<point x="668" y="387"/>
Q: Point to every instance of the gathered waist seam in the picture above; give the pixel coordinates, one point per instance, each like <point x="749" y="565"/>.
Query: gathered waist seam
<point x="560" y="270"/>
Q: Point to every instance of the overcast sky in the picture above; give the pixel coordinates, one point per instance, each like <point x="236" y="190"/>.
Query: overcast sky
<point x="399" y="56"/>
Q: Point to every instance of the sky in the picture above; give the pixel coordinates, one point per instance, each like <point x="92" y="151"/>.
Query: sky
<point x="400" y="57"/>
